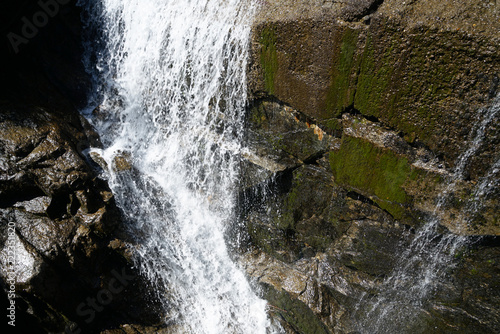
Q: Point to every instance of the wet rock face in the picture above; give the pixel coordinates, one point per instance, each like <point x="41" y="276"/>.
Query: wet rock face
<point x="74" y="271"/>
<point x="393" y="93"/>
<point x="321" y="243"/>
<point x="66" y="239"/>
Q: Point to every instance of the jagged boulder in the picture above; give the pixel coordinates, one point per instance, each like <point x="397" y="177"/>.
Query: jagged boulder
<point x="66" y="237"/>
<point x="73" y="270"/>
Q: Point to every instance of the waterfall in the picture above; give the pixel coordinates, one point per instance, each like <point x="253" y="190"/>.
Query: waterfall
<point x="170" y="84"/>
<point x="422" y="268"/>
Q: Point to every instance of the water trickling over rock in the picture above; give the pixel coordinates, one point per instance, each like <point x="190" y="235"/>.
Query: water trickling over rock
<point x="424" y="267"/>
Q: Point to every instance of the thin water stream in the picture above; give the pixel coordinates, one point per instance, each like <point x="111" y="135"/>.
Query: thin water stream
<point x="422" y="267"/>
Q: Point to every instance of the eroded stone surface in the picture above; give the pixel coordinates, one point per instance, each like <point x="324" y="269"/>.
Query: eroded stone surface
<point x="397" y="87"/>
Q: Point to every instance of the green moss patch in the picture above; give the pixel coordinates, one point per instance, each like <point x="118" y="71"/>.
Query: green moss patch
<point x="376" y="74"/>
<point x="376" y="172"/>
<point x="269" y="58"/>
<point x="297" y="314"/>
<point x="340" y="94"/>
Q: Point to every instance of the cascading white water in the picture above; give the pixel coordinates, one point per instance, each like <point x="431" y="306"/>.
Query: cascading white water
<point x="172" y="96"/>
<point x="422" y="267"/>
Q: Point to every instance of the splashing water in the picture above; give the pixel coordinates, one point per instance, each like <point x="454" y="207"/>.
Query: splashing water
<point x="423" y="266"/>
<point x="171" y="88"/>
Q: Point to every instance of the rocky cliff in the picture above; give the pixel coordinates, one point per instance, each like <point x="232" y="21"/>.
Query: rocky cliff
<point x="361" y="112"/>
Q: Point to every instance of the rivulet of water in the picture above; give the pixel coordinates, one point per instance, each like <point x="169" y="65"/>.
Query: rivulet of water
<point x="423" y="266"/>
<point x="170" y="84"/>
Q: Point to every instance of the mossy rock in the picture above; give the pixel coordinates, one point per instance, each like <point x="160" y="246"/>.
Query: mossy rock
<point x="279" y="243"/>
<point x="305" y="63"/>
<point x="293" y="311"/>
<point x="427" y="84"/>
<point x="269" y="58"/>
<point x="424" y="82"/>
<point x="308" y="209"/>
<point x="372" y="247"/>
<point x="282" y="129"/>
<point x="377" y="173"/>
<point x="343" y="75"/>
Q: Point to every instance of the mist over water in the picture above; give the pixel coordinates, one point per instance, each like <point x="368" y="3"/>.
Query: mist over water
<point x="170" y="84"/>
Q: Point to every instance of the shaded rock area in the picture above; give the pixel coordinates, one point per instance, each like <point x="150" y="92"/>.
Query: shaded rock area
<point x="359" y="111"/>
<point x="74" y="270"/>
